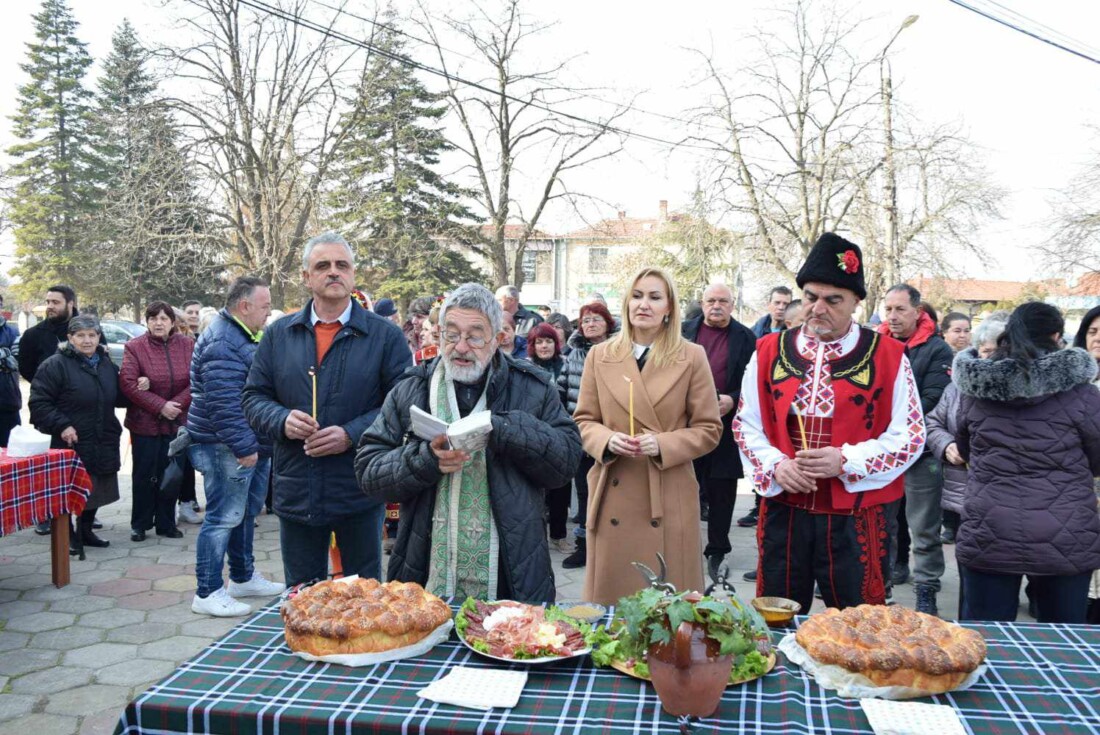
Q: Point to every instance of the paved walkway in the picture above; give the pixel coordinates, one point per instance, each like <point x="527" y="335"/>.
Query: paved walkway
<point x="71" y="658"/>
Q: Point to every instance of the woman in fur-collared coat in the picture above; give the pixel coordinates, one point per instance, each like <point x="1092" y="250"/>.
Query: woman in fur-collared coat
<point x="643" y="496"/>
<point x="1088" y="339"/>
<point x="1029" y="425"/>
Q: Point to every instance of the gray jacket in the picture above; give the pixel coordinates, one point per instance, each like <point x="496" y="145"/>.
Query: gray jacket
<point x="942" y="425"/>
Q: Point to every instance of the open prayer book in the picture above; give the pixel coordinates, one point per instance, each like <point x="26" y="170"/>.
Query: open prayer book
<point x="468" y="434"/>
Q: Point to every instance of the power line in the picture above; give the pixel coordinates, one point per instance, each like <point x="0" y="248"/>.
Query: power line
<point x="302" y="22"/>
<point x="1026" y="32"/>
<point x="586" y="95"/>
<point x="310" y="25"/>
<point x="1053" y="31"/>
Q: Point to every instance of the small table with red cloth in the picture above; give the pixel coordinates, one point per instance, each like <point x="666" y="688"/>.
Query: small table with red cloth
<point x="44" y="487"/>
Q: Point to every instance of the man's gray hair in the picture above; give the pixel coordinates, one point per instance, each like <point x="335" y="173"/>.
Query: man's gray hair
<point x="242" y="288"/>
<point x="509" y="291"/>
<point x="475" y="297"/>
<point x="988" y="331"/>
<point x="325" y="238"/>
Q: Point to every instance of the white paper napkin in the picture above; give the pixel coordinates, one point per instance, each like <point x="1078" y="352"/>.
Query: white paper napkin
<point x="464" y="686"/>
<point x="889" y="717"/>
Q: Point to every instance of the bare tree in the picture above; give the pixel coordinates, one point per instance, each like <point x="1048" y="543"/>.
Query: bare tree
<point x="510" y="119"/>
<point x="811" y="145"/>
<point x="1075" y="245"/>
<point x="788" y="129"/>
<point x="265" y="113"/>
<point x="944" y="195"/>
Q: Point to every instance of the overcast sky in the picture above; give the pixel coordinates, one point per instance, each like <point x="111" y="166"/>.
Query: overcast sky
<point x="1027" y="105"/>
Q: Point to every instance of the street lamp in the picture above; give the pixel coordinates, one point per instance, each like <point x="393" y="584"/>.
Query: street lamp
<point x="890" y="185"/>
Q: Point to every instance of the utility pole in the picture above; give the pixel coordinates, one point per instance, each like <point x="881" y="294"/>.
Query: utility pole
<point x="890" y="183"/>
<point x="890" y="178"/>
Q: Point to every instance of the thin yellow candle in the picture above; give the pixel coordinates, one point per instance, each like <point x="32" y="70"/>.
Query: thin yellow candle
<point x="631" y="383"/>
<point x="801" y="426"/>
<point x="313" y="375"/>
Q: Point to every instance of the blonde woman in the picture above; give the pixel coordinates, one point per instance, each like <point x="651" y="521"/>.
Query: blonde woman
<point x="643" y="496"/>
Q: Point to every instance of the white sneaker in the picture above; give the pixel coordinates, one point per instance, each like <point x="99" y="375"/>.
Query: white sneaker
<point x="187" y="514"/>
<point x="220" y="605"/>
<point x="258" y="586"/>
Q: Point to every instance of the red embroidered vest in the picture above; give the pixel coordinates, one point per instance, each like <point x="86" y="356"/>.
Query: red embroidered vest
<point x="863" y="389"/>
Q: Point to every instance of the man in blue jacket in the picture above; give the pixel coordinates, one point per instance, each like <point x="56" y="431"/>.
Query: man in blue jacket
<point x="318" y="381"/>
<point x="235" y="463"/>
<point x="779" y="298"/>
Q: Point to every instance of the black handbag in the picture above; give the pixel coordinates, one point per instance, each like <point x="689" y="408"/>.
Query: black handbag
<point x="178" y="464"/>
<point x="172" y="481"/>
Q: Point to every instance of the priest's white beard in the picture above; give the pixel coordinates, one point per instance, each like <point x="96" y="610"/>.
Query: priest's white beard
<point x="464" y="373"/>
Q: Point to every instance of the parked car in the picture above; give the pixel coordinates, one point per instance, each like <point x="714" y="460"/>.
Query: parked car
<point x="118" y="332"/>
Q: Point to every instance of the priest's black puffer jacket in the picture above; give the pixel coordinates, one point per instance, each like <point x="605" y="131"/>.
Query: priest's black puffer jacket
<point x="1032" y="438"/>
<point x="534" y="445"/>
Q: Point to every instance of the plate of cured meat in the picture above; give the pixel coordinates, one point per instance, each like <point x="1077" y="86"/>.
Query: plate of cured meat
<point x="515" y="632"/>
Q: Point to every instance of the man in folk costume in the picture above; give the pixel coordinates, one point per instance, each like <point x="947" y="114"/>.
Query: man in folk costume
<point x="830" y="418"/>
<point x="471" y="523"/>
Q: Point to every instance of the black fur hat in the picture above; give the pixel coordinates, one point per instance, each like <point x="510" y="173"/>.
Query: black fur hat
<point x="835" y="261"/>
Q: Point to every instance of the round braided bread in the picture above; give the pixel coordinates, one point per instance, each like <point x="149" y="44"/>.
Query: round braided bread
<point x="361" y="616"/>
<point x="894" y="646"/>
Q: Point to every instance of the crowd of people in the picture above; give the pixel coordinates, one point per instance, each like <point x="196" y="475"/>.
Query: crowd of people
<point x="867" y="447"/>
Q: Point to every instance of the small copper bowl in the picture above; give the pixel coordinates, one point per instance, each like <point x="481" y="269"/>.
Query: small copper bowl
<point x="776" y="611"/>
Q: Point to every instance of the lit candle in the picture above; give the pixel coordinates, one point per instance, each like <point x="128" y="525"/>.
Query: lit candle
<point x="313" y="376"/>
<point x="631" y="383"/>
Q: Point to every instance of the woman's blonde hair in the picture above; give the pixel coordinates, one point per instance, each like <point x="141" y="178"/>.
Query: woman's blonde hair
<point x="666" y="347"/>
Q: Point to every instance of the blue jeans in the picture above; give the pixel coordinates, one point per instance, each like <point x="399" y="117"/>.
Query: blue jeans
<point x="234" y="497"/>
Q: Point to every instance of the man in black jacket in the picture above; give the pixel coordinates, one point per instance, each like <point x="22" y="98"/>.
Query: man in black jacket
<point x="316" y="383"/>
<point x="471" y="522"/>
<point x="729" y="346"/>
<point x="522" y="317"/>
<point x="40" y="342"/>
<point x="930" y="358"/>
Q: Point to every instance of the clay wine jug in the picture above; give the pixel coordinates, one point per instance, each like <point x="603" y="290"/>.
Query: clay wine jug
<point x="688" y="673"/>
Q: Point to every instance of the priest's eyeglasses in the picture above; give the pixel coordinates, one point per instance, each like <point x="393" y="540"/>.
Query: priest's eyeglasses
<point x="453" y="338"/>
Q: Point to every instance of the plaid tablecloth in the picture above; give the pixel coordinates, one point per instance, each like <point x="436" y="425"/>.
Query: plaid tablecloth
<point x="1042" y="679"/>
<point x="35" y="489"/>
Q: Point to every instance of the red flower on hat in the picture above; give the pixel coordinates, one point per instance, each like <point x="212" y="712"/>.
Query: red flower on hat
<point x="848" y="261"/>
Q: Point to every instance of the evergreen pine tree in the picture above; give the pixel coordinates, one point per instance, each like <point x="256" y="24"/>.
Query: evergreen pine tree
<point x="54" y="168"/>
<point x="151" y="218"/>
<point x="402" y="215"/>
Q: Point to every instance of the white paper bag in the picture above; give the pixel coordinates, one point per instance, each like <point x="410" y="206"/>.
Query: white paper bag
<point x="26" y="442"/>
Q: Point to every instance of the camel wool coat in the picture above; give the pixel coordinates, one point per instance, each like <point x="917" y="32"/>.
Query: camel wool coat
<point x="640" y="506"/>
